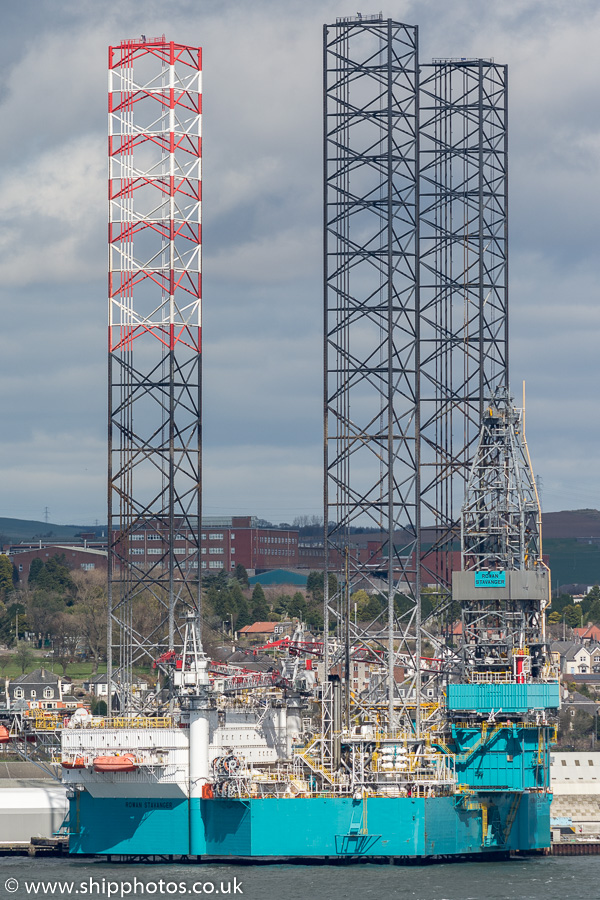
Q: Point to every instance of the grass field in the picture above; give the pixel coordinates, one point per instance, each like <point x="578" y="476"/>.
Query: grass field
<point x="78" y="671"/>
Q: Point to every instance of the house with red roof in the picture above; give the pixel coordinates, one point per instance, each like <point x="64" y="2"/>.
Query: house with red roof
<point x="588" y="634"/>
<point x="266" y="629"/>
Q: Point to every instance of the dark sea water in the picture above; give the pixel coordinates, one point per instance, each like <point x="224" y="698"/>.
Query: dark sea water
<point x="536" y="878"/>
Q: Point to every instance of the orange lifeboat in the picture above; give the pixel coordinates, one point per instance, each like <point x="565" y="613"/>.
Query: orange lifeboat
<point x="124" y="763"/>
<point x="77" y="763"/>
<point x="4" y="734"/>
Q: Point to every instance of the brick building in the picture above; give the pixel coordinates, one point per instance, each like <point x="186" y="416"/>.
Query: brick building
<point x="371" y="554"/>
<point x="76" y="557"/>
<point x="225" y="542"/>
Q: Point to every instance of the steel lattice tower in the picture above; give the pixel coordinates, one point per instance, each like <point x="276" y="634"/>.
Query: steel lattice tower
<point x="415" y="321"/>
<point x="154" y="328"/>
<point x="371" y="355"/>
<point x="463" y="282"/>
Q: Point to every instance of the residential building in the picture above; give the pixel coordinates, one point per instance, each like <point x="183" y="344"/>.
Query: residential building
<point x="38" y="686"/>
<point x="363" y="675"/>
<point x="577" y="660"/>
<point x="98" y="686"/>
<point x="576" y="701"/>
<point x="588" y="634"/>
<point x="275" y="630"/>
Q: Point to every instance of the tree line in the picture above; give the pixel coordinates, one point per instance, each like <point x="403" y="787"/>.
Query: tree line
<point x="573" y="614"/>
<point x="66" y="610"/>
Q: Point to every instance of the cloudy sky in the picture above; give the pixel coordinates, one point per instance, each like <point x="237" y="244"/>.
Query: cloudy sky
<point x="262" y="262"/>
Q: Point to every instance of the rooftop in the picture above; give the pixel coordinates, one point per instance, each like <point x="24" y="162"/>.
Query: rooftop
<point x="38" y="676"/>
<point x="259" y="628"/>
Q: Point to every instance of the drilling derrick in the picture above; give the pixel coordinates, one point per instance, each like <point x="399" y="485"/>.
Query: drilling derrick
<point x="504" y="585"/>
<point x="154" y="311"/>
<point x="507" y="680"/>
<point x="501" y="519"/>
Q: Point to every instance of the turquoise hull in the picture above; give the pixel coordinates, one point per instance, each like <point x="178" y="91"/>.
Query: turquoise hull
<point x="336" y="827"/>
<point x="502" y="805"/>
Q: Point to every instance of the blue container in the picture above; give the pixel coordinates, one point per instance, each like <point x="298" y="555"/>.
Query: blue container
<point x="508" y="698"/>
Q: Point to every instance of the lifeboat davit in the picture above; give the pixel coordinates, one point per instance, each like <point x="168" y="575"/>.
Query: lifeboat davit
<point x="124" y="763"/>
<point x="4" y="734"/>
<point x="77" y="763"/>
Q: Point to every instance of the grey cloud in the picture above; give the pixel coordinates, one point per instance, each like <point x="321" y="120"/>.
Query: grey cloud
<point x="261" y="214"/>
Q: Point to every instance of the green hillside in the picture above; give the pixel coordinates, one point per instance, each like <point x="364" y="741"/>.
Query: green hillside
<point x="572" y="562"/>
<point x="15" y="530"/>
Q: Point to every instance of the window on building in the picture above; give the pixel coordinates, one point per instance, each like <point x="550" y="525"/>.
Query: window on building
<point x="576" y="762"/>
<point x="21" y="567"/>
<point x="137" y="537"/>
<point x="152" y="536"/>
<point x="203" y="537"/>
<point x="19" y="693"/>
<point x="217" y="550"/>
<point x="203" y="565"/>
<point x="215" y="537"/>
<point x="215" y="564"/>
<point x="180" y="551"/>
<point x="233" y="549"/>
<point x="155" y="551"/>
<point x="232" y="536"/>
<point x="563" y="762"/>
<point x="48" y="693"/>
<point x="590" y="762"/>
<point x="87" y="567"/>
<point x="33" y="694"/>
<point x="137" y="551"/>
<point x="204" y="550"/>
